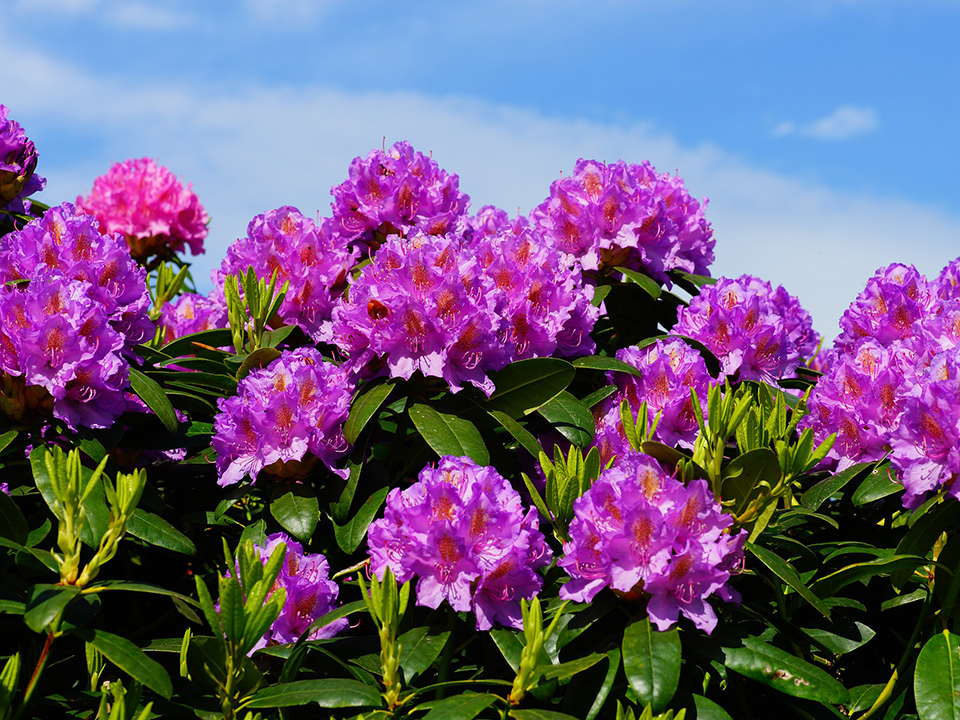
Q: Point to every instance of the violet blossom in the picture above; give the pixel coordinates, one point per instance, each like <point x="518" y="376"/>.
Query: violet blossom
<point x="461" y="528"/>
<point x="18" y="162"/>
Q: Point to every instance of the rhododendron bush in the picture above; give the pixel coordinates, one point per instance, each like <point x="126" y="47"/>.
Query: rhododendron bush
<point x="416" y="458"/>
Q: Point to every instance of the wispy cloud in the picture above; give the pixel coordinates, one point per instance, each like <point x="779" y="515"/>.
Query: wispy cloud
<point x="822" y="245"/>
<point x="844" y="122"/>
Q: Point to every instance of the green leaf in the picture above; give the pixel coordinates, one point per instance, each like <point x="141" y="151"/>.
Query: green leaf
<point x="297" y="510"/>
<point x="259" y="358"/>
<point x="570" y="417"/>
<point x="449" y="434"/>
<point x="131" y="659"/>
<point x="95" y="506"/>
<point x="364" y="408"/>
<point x="600" y="362"/>
<point x="936" y="682"/>
<point x="185" y="345"/>
<point x="613" y="667"/>
<point x="651" y="660"/>
<point x="649" y="285"/>
<point x="742" y="476"/>
<point x="570" y="668"/>
<point x="465" y="706"/>
<point x="139" y="587"/>
<point x="231" y="609"/>
<point x="813" y="498"/>
<point x="45" y="602"/>
<point x="153" y="395"/>
<point x="154" y="530"/>
<point x="782" y="671"/>
<point x="350" y="535"/>
<point x="509" y="644"/>
<point x="843" y="637"/>
<point x="540" y="715"/>
<point x="519" y="432"/>
<point x="920" y="538"/>
<point x="786" y="572"/>
<point x="418" y="650"/>
<point x="272" y="338"/>
<point x="829" y="585"/>
<point x="878" y="484"/>
<point x="708" y="709"/>
<point x="598" y="396"/>
<point x="525" y="385"/>
<point x="13" y="525"/>
<point x="7" y="438"/>
<point x="328" y="693"/>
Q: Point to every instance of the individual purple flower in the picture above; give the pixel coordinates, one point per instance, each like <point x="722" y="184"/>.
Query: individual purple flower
<point x="889" y="309"/>
<point x="390" y="192"/>
<point x="925" y="445"/>
<point x="947" y="284"/>
<point x="71" y="245"/>
<point x="423" y="304"/>
<point x="191" y="313"/>
<point x="149" y="207"/>
<point x="640" y="531"/>
<point x="313" y="258"/>
<point x="620" y="215"/>
<point x="669" y="370"/>
<point x="18" y="161"/>
<point x="283" y="419"/>
<point x="741" y="323"/>
<point x="463" y="531"/>
<point x="544" y="307"/>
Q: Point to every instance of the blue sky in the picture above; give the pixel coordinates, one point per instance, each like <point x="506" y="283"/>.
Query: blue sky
<point x="825" y="133"/>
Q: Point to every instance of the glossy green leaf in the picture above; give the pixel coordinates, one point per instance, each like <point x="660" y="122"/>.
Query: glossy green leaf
<point x="613" y="668"/>
<point x="786" y="572"/>
<point x="519" y="432"/>
<point x="419" y="649"/>
<point x="649" y="285"/>
<point x="449" y="434"/>
<point x="708" y="710"/>
<point x="297" y="510"/>
<point x="259" y="358"/>
<point x="7" y="438"/>
<point x="813" y="498"/>
<point x="131" y="586"/>
<point x="45" y="602"/>
<point x="920" y="538"/>
<point x="327" y="693"/>
<point x="94" y="507"/>
<point x="154" y="530"/>
<point x="465" y="706"/>
<point x="231" y="609"/>
<point x="540" y="715"/>
<point x="525" y="385"/>
<point x="936" y="682"/>
<point x="570" y="668"/>
<point x="842" y="637"/>
<point x="600" y="362"/>
<point x="351" y="534"/>
<point x="570" y="417"/>
<point x="13" y="525"/>
<point x="875" y="486"/>
<point x="782" y="671"/>
<point x="651" y="660"/>
<point x="131" y="659"/>
<point x="831" y="584"/>
<point x="509" y="644"/>
<point x="152" y="394"/>
<point x="186" y="345"/>
<point x="364" y="408"/>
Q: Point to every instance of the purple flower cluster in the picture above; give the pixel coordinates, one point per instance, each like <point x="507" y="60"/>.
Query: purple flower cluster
<point x="393" y="191"/>
<point x="620" y="215"/>
<point x="310" y="594"/>
<point x="639" y="530"/>
<point x="191" y="313"/>
<point x="283" y="419"/>
<point x="149" y="206"/>
<point x="670" y="369"/>
<point x="463" y="531"/>
<point x="18" y="161"/>
<point x="423" y="304"/>
<point x="77" y="303"/>
<point x="314" y="259"/>
<point x="756" y="333"/>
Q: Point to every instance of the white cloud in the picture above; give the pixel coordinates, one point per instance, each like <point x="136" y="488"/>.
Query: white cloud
<point x="845" y="122"/>
<point x="142" y="16"/>
<point x="252" y="151"/>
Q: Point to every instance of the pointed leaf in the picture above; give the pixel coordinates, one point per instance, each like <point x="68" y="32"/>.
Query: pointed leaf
<point x="651" y="660"/>
<point x="152" y="394"/>
<point x="131" y="659"/>
<point x="570" y="417"/>
<point x="449" y="434"/>
<point x="708" y="709"/>
<point x="599" y="362"/>
<point x="418" y="650"/>
<point x="364" y="409"/>
<point x="786" y="572"/>
<point x="465" y="706"/>
<point x="185" y="345"/>
<point x="878" y="484"/>
<point x="525" y="385"/>
<point x="936" y="682"/>
<point x="13" y="525"/>
<point x="297" y="509"/>
<point x="45" y="602"/>
<point x="327" y="693"/>
<point x="518" y="431"/>
<point x="351" y="534"/>
<point x="650" y="286"/>
<point x="825" y="489"/>
<point x="154" y="530"/>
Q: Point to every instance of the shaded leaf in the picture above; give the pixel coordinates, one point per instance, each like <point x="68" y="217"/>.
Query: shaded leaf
<point x="185" y="345"/>
<point x="936" y="682"/>
<point x="350" y="535"/>
<point x="519" y="432"/>
<point x="131" y="659"/>
<point x="829" y="585"/>
<point x="525" y="385"/>
<point x="878" y="484"/>
<point x="813" y="498"/>
<point x="465" y="706"/>
<point x="296" y="509"/>
<point x="364" y="408"/>
<point x="570" y="417"/>
<point x="45" y="602"/>
<point x="152" y="394"/>
<point x="649" y="285"/>
<point x="154" y="530"/>
<point x="449" y="434"/>
<point x="328" y="693"/>
<point x="786" y="572"/>
<point x="651" y="660"/>
<point x="419" y="649"/>
<point x="13" y="525"/>
<point x="599" y="362"/>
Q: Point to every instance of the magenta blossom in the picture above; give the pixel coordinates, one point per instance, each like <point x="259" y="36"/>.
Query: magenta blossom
<point x="18" y="161"/>
<point x="463" y="531"/>
<point x="149" y="206"/>
<point x="638" y="530"/>
<point x="283" y="419"/>
<point x="191" y="313"/>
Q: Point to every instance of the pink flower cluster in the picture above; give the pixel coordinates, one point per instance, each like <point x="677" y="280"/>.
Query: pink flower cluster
<point x="609" y="215"/>
<point x="393" y="191"/>
<point x="464" y="532"/>
<point x="146" y="204"/>
<point x="670" y="369"/>
<point x="755" y="332"/>
<point x="310" y="594"/>
<point x="314" y="259"/>
<point x="283" y="419"/>
<point x="638" y="530"/>
<point x="76" y="305"/>
<point x="18" y="161"/>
